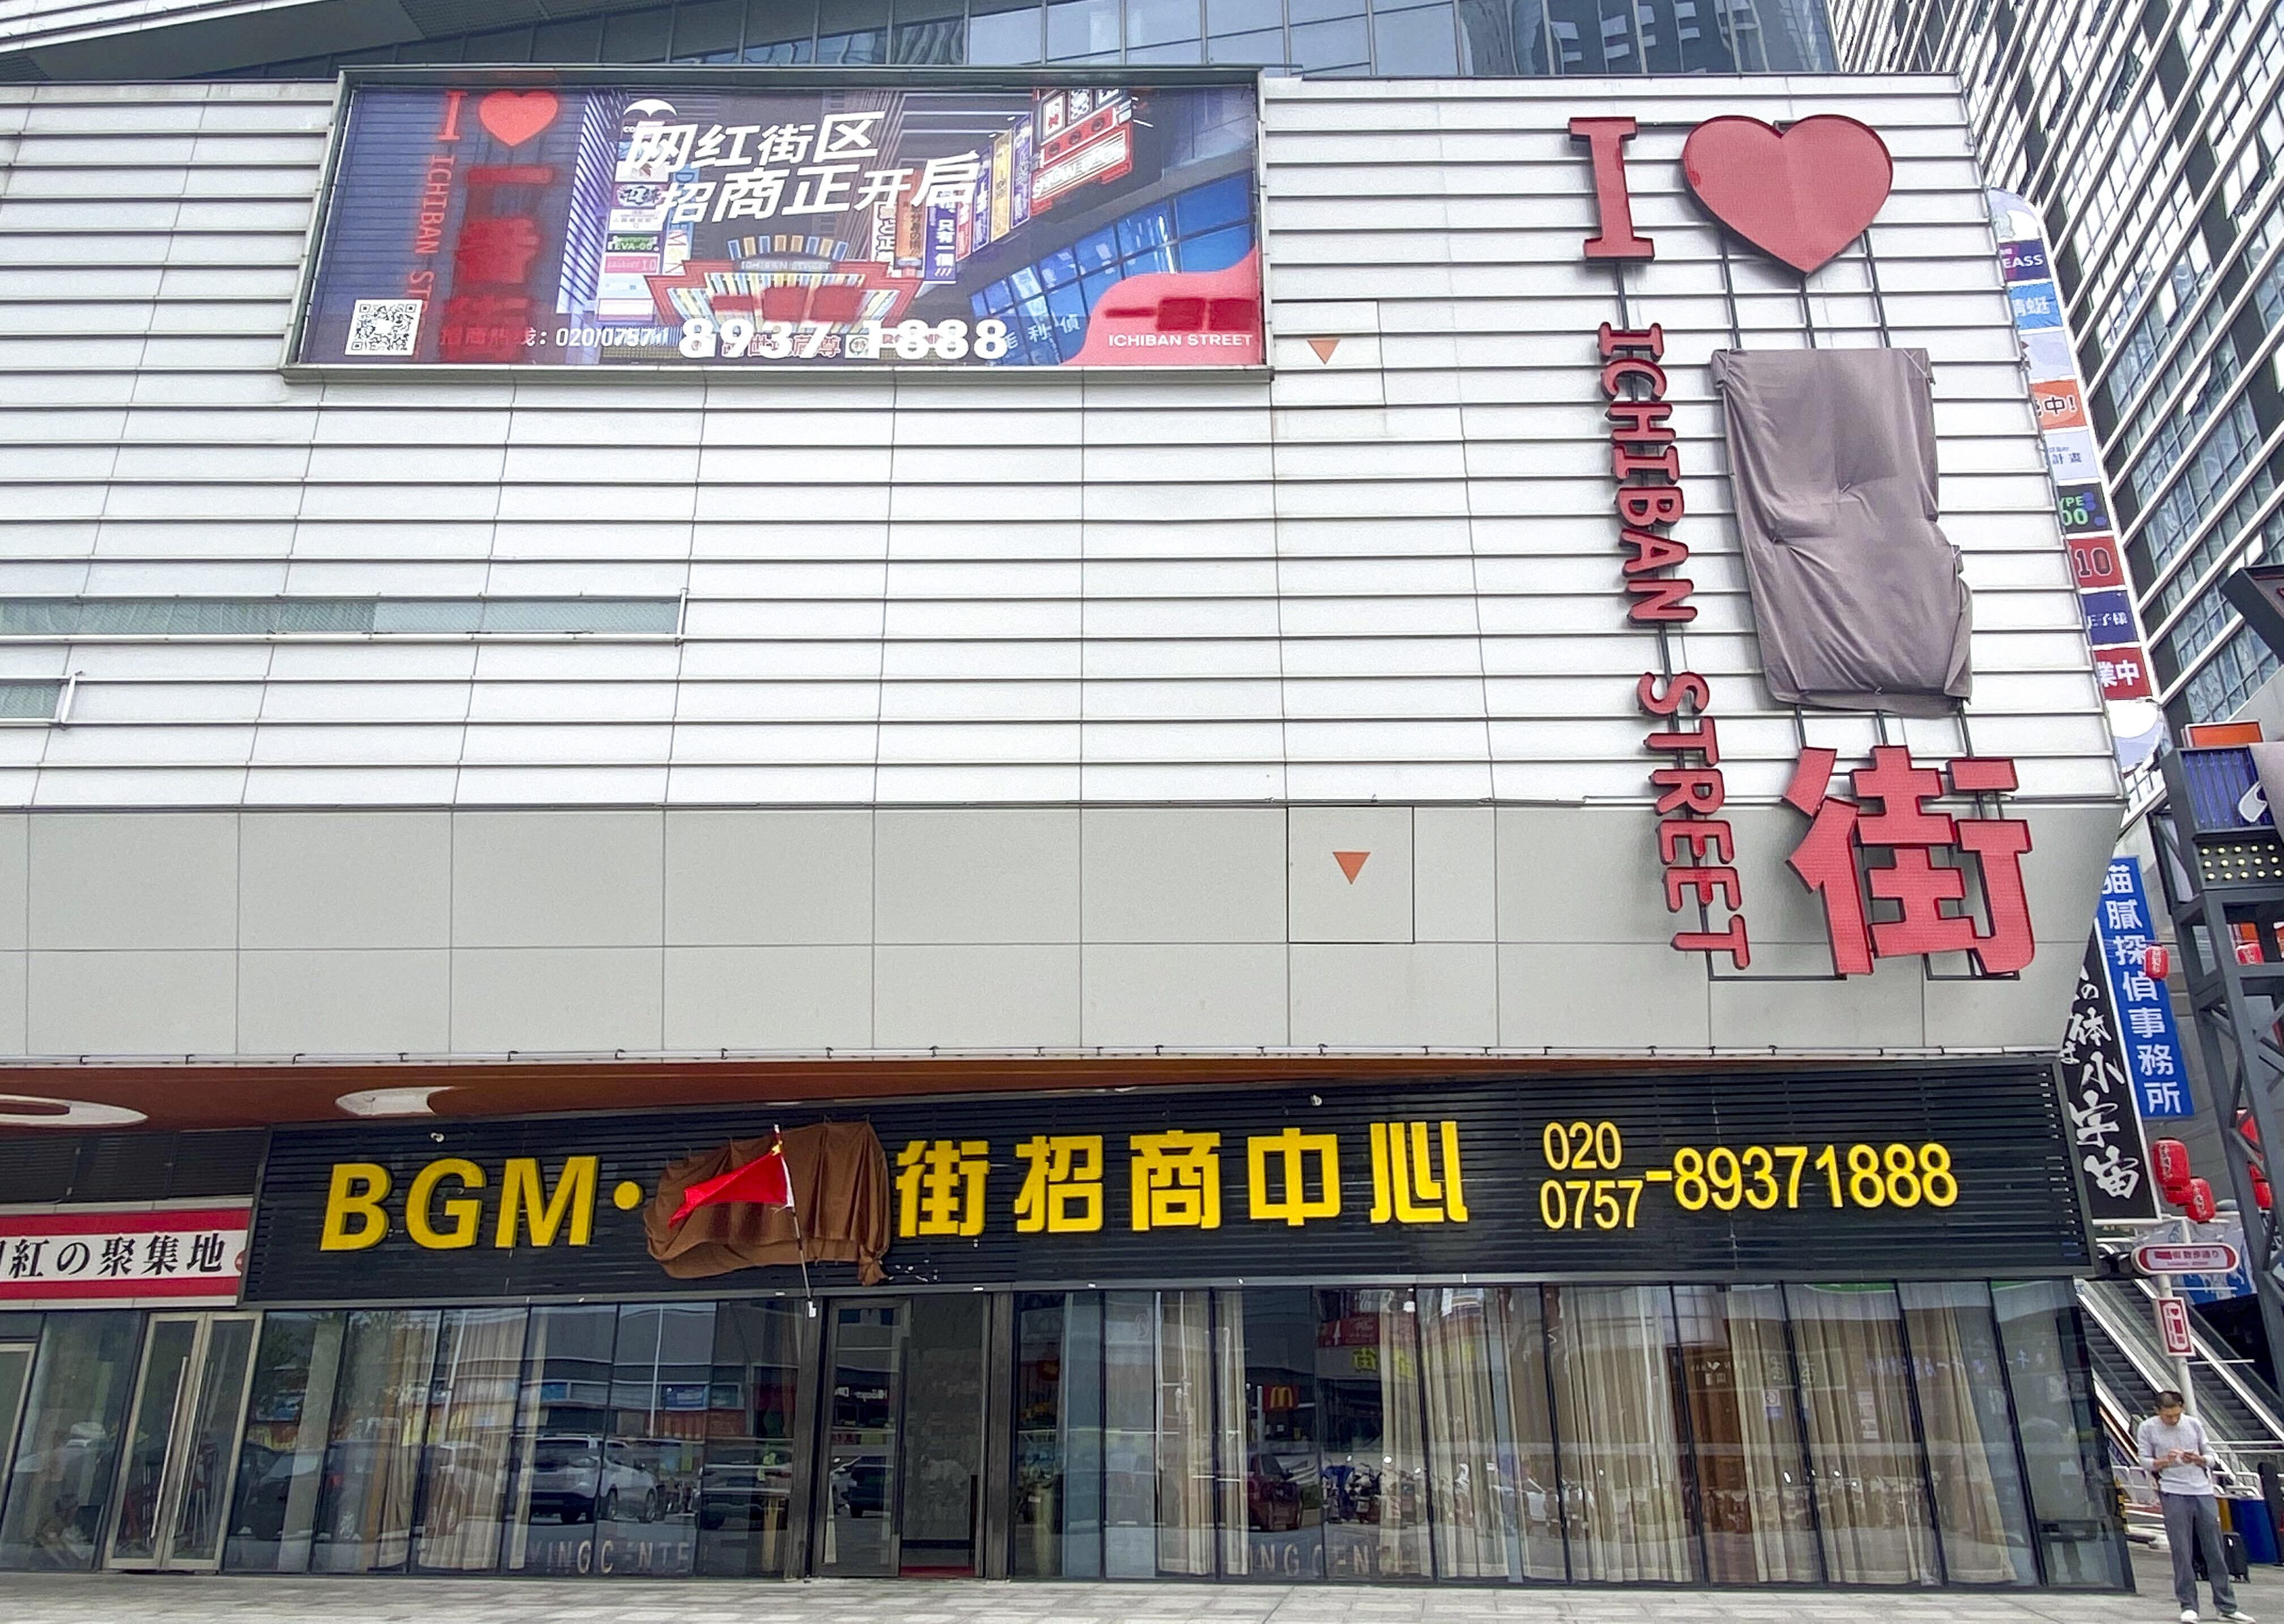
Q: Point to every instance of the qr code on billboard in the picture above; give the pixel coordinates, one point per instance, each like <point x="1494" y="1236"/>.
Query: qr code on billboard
<point x="383" y="327"/>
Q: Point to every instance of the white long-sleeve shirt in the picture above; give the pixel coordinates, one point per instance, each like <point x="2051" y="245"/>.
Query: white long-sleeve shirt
<point x="2155" y="1438"/>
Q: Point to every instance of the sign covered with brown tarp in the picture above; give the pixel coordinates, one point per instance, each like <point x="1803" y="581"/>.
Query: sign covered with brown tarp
<point x="1858" y="595"/>
<point x="841" y="1207"/>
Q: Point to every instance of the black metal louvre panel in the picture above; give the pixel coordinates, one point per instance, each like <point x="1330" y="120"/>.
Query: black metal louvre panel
<point x="2017" y="1212"/>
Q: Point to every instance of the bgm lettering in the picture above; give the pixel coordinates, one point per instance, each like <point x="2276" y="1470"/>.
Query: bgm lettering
<point x="444" y="1208"/>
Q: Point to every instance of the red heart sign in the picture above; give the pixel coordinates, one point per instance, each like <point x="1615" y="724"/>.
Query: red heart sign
<point x="515" y="116"/>
<point x="1802" y="194"/>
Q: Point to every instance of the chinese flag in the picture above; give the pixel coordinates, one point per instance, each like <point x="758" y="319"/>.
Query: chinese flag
<point x="762" y="1181"/>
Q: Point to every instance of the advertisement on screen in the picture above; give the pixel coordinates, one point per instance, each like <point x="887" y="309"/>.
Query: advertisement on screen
<point x="761" y="220"/>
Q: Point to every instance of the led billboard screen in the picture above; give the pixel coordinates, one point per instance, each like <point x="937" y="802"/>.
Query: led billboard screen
<point x="760" y="221"/>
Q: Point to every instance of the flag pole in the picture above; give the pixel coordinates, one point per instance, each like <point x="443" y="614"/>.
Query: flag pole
<point x="807" y="1291"/>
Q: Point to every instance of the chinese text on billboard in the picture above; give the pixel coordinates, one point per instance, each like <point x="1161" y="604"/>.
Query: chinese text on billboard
<point x="790" y="223"/>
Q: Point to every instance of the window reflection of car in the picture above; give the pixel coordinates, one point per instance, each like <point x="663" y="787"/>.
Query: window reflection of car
<point x="578" y="1478"/>
<point x="1273" y="1499"/>
<point x="265" y="1477"/>
<point x="750" y="1492"/>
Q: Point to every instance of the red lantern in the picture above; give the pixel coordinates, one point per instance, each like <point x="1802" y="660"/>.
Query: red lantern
<point x="2199" y="1203"/>
<point x="2262" y="1197"/>
<point x="2169" y="1164"/>
<point x="2156" y="959"/>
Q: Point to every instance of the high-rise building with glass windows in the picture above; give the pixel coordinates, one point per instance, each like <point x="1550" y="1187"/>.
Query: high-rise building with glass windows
<point x="2147" y="135"/>
<point x="302" y="39"/>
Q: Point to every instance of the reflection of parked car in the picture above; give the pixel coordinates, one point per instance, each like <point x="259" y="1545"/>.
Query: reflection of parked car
<point x="575" y="1477"/>
<point x="745" y="1494"/>
<point x="265" y="1477"/>
<point x="1273" y="1497"/>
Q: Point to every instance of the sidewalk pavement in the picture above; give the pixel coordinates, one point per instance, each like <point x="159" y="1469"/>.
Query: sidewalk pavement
<point x="123" y="1598"/>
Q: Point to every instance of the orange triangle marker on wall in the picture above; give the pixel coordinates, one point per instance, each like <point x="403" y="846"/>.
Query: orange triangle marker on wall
<point x="1324" y="349"/>
<point x="1351" y="863"/>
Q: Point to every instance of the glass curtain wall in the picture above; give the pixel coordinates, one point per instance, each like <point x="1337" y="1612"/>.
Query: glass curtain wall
<point x="1391" y="38"/>
<point x="1828" y="1435"/>
<point x="1820" y="1435"/>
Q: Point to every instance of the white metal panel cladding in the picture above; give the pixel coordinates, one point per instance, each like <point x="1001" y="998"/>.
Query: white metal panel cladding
<point x="1390" y="573"/>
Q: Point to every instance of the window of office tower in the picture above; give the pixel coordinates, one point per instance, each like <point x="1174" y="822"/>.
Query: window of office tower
<point x="1387" y="38"/>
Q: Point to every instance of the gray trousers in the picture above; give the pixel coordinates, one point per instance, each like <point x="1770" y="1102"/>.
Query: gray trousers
<point x="2193" y="1520"/>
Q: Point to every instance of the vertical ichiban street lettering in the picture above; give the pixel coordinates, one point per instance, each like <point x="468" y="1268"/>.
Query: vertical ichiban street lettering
<point x="1693" y="843"/>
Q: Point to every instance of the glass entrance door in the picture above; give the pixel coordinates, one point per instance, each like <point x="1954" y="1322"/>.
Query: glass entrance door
<point x="182" y="1440"/>
<point x="902" y="1484"/>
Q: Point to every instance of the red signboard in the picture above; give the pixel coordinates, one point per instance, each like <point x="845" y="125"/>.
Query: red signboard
<point x="2094" y="557"/>
<point x="80" y="1259"/>
<point x="2173" y="1320"/>
<point x="2124" y="670"/>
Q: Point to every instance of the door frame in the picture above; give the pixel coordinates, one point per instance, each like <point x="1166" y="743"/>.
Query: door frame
<point x="991" y="1526"/>
<point x="174" y="1464"/>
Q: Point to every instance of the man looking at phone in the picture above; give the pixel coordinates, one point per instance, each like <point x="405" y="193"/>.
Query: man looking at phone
<point x="2172" y="1445"/>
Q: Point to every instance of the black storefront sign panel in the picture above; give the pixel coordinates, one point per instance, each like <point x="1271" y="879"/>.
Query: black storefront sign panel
<point x="1936" y="1173"/>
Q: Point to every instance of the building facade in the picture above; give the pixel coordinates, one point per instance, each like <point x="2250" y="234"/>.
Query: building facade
<point x="1300" y="1049"/>
<point x="2148" y="137"/>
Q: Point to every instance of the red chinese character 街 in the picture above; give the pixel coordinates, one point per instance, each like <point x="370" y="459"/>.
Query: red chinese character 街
<point x="496" y="248"/>
<point x="484" y="327"/>
<point x="1925" y="897"/>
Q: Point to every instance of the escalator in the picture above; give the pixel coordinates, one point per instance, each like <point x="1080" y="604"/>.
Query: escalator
<point x="2244" y="1419"/>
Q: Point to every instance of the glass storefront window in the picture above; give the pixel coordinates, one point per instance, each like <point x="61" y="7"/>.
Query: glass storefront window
<point x="281" y="1458"/>
<point x="1537" y="1478"/>
<point x="662" y="1370"/>
<point x="745" y="1492"/>
<point x="1842" y="1434"/>
<point x="1058" y="1457"/>
<point x="1284" y="1484"/>
<point x="1970" y="1436"/>
<point x="1744" y="1426"/>
<point x="1618" y="1431"/>
<point x="372" y="1456"/>
<point x="1374" y="1467"/>
<point x="1870" y="1485"/>
<point x="562" y="1419"/>
<point x="2069" y="1482"/>
<point x="471" y="1423"/>
<point x="60" y="1482"/>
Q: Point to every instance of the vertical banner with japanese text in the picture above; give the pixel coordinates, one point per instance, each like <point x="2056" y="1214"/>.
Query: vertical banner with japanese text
<point x="2100" y="1096"/>
<point x="769" y="222"/>
<point x="2144" y="1011"/>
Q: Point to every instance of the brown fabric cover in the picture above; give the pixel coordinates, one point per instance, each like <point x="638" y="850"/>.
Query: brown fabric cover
<point x="1858" y="594"/>
<point x="840" y="1188"/>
